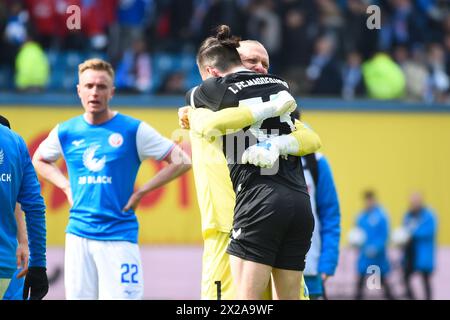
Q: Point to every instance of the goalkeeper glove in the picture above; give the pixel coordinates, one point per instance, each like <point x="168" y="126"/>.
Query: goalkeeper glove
<point x="36" y="284"/>
<point x="279" y="104"/>
<point x="265" y="154"/>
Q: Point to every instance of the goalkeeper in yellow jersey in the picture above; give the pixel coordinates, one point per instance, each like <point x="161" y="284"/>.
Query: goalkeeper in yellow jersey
<point x="214" y="188"/>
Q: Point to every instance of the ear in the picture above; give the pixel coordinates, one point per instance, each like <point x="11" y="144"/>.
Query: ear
<point x="78" y="90"/>
<point x="214" y="72"/>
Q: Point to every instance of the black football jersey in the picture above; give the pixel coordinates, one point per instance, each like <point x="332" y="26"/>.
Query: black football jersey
<point x="250" y="87"/>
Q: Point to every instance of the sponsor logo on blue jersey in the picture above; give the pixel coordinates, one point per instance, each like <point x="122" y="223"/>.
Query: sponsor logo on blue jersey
<point x="77" y="143"/>
<point x="4" y="177"/>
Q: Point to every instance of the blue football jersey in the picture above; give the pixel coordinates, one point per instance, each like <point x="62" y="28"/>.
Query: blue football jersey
<point x="103" y="162"/>
<point x="19" y="183"/>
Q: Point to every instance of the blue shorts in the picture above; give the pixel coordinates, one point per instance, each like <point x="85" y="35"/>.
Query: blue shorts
<point x="15" y="288"/>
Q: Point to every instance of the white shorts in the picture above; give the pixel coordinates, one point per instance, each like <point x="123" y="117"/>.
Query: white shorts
<point x="102" y="269"/>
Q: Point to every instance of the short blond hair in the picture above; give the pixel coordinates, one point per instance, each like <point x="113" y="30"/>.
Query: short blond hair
<point x="96" y="64"/>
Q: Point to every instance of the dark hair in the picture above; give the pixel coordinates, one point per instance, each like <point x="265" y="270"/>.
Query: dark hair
<point x="369" y="195"/>
<point x="4" y="122"/>
<point x="220" y="50"/>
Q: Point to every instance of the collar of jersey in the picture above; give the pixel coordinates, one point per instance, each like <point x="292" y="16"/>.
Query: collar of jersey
<point x="101" y="124"/>
<point x="241" y="69"/>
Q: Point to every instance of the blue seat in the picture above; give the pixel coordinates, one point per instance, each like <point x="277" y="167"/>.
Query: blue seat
<point x="73" y="59"/>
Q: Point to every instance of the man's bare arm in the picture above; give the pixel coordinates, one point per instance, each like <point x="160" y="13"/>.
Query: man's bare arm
<point x="50" y="172"/>
<point x="178" y="163"/>
<point x="22" y="252"/>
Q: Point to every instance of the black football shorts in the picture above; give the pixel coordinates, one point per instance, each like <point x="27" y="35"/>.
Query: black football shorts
<point x="272" y="225"/>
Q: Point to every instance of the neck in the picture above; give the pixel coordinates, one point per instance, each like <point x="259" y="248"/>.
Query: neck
<point x="237" y="69"/>
<point x="416" y="210"/>
<point x="99" y="118"/>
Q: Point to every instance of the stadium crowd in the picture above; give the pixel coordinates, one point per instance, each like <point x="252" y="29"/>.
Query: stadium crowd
<point x="323" y="47"/>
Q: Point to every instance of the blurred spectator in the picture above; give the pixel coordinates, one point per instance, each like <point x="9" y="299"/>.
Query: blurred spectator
<point x="297" y="43"/>
<point x="373" y="221"/>
<point x="383" y="78"/>
<point x="447" y="50"/>
<point x="200" y="10"/>
<point x="170" y="24"/>
<point x="69" y="39"/>
<point x="431" y="9"/>
<point x="330" y="17"/>
<point x="15" y="24"/>
<point x="43" y="17"/>
<point x="49" y="18"/>
<point x="264" y="25"/>
<point x="416" y="73"/>
<point x="446" y="25"/>
<point x="181" y="13"/>
<point x="296" y="40"/>
<point x="352" y="80"/>
<point x="419" y="253"/>
<point x="159" y="26"/>
<point x="32" y="67"/>
<point x="229" y="12"/>
<point x="446" y="39"/>
<point x="357" y="36"/>
<point x="130" y="24"/>
<point x="406" y="26"/>
<point x="323" y="71"/>
<point x="174" y="83"/>
<point x="134" y="70"/>
<point x="97" y="16"/>
<point x="438" y="82"/>
<point x="430" y="14"/>
<point x="313" y="44"/>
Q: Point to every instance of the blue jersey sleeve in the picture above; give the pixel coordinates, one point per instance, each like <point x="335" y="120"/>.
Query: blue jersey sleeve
<point x="33" y="205"/>
<point x="329" y="216"/>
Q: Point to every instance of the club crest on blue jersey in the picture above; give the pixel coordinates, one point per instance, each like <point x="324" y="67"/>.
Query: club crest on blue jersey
<point x="115" y="140"/>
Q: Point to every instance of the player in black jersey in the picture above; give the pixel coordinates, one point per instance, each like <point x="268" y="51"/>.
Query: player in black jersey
<point x="273" y="221"/>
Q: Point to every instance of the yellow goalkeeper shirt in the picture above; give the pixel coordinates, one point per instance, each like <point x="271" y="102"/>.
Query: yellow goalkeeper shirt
<point x="215" y="192"/>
